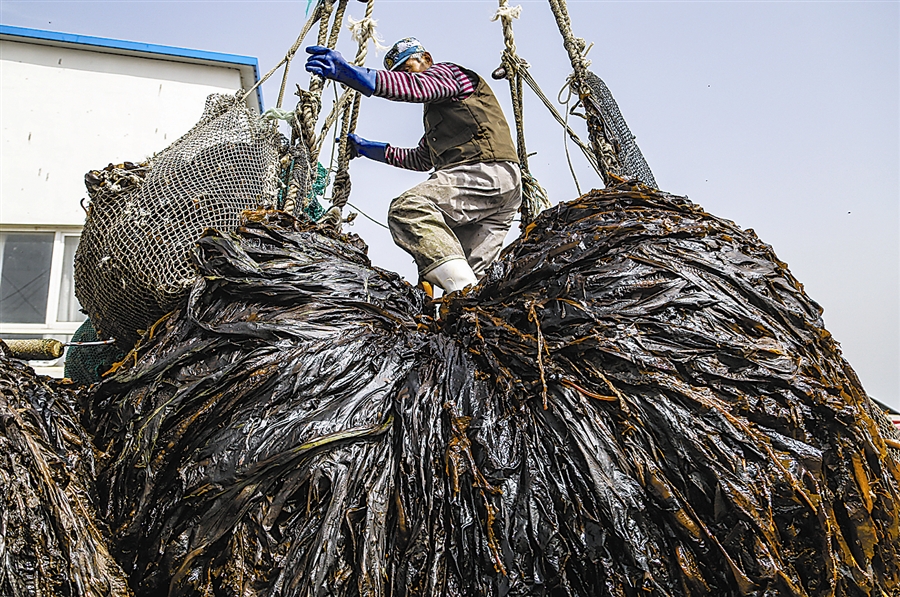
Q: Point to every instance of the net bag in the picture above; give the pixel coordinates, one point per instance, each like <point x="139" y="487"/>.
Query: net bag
<point x="133" y="263"/>
<point x="632" y="164"/>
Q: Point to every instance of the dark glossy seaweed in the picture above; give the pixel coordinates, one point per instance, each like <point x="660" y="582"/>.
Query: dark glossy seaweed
<point x="50" y="541"/>
<point x="639" y="399"/>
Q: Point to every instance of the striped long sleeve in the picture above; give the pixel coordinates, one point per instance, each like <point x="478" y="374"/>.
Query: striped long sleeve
<point x="412" y="158"/>
<point x="442" y="82"/>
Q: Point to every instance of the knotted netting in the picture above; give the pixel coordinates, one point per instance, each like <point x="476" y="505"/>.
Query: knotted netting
<point x="631" y="161"/>
<point x="133" y="262"/>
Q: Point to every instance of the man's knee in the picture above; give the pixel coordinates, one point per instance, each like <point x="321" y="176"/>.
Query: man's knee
<point x="399" y="209"/>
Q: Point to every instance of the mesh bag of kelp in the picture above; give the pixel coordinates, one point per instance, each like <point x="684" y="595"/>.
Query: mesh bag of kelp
<point x="51" y="541"/>
<point x="638" y="399"/>
<point x="133" y="262"/>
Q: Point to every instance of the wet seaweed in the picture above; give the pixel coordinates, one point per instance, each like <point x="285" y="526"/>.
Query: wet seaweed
<point x="50" y="540"/>
<point x="639" y="399"/>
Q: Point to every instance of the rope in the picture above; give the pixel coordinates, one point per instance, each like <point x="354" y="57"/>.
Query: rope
<point x="534" y="197"/>
<point x="362" y="32"/>
<point x="300" y="127"/>
<point x="305" y="116"/>
<point x="287" y="58"/>
<point x="367" y="216"/>
<point x="592" y="159"/>
<point x="605" y="153"/>
<point x="511" y="63"/>
<point x="332" y="117"/>
<point x="311" y="101"/>
<point x="565" y="140"/>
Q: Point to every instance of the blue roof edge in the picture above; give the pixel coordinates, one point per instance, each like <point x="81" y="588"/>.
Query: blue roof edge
<point x="132" y="46"/>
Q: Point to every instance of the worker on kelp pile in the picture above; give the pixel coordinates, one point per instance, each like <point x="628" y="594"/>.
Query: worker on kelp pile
<point x="454" y="223"/>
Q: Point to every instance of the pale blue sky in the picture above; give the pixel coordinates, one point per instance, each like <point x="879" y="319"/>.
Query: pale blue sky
<point x="781" y="116"/>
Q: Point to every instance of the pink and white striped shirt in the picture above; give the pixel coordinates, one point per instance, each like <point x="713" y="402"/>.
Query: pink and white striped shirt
<point x="442" y="82"/>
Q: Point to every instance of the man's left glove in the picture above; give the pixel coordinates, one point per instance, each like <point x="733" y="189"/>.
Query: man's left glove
<point x="374" y="150"/>
<point x="329" y="64"/>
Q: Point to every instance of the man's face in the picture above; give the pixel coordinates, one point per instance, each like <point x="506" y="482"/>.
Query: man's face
<point x="417" y="64"/>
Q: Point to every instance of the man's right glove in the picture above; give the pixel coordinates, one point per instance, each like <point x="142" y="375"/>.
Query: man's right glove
<point x="374" y="150"/>
<point x="330" y="64"/>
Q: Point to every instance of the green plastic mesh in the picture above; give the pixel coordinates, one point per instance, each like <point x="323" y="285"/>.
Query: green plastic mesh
<point x="87" y="364"/>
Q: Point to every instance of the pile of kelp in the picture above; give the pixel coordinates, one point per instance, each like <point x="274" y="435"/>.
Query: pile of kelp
<point x="639" y="399"/>
<point x="50" y="541"/>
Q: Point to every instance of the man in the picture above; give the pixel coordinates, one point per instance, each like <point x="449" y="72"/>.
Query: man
<point x="454" y="223"/>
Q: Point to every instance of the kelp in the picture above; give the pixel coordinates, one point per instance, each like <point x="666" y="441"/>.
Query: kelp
<point x="639" y="399"/>
<point x="50" y="541"/>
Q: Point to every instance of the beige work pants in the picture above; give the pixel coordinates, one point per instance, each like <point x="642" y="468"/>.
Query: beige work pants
<point x="459" y="212"/>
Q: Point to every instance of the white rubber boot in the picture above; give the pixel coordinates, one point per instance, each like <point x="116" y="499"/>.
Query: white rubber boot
<point x="452" y="275"/>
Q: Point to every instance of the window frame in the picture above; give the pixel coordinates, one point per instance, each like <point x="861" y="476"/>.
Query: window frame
<point x="51" y="326"/>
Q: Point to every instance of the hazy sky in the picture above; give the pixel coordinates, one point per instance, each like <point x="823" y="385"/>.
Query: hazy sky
<point x="781" y="116"/>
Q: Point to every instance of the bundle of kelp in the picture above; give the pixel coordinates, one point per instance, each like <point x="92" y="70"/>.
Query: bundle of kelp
<point x="50" y="543"/>
<point x="639" y="400"/>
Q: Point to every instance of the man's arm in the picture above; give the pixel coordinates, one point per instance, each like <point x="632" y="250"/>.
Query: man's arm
<point x="415" y="158"/>
<point x="443" y="81"/>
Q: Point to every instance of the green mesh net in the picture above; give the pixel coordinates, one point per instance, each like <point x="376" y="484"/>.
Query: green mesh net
<point x="87" y="364"/>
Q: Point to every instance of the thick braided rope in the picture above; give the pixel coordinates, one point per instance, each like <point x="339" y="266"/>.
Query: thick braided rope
<point x="511" y="63"/>
<point x="310" y="104"/>
<point x="336" y="111"/>
<point x="363" y="31"/>
<point x="576" y="48"/>
<point x="311" y="101"/>
<point x="534" y="197"/>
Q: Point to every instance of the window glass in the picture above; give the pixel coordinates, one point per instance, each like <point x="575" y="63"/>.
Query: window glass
<point x="25" y="259"/>
<point x="69" y="308"/>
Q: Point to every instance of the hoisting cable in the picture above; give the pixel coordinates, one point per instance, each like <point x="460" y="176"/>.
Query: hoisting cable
<point x="521" y="67"/>
<point x="362" y="32"/>
<point x="576" y="48"/>
<point x="534" y="197"/>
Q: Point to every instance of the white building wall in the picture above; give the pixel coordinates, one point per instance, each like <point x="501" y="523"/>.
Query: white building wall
<point x="69" y="105"/>
<point x="65" y="111"/>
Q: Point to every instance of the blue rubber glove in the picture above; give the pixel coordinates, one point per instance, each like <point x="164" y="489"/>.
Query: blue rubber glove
<point x="373" y="150"/>
<point x="330" y="64"/>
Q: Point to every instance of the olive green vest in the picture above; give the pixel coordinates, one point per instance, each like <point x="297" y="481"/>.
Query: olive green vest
<point x="468" y="131"/>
